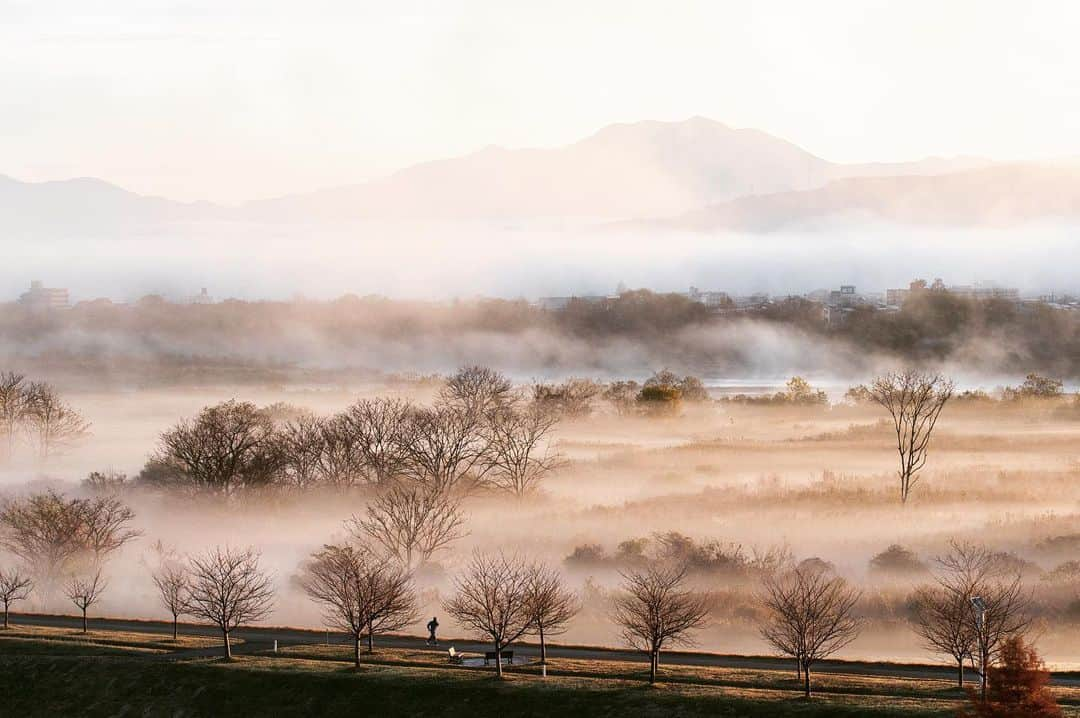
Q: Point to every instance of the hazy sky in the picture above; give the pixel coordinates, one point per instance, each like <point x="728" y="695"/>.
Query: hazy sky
<point x="234" y="100"/>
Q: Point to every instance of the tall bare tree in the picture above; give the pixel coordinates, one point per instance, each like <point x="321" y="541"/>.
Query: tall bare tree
<point x="520" y="450"/>
<point x="379" y="430"/>
<point x="174" y="587"/>
<point x="53" y="424"/>
<point x="14" y="586"/>
<point x="301" y="443"/>
<point x="362" y="592"/>
<point x="943" y="621"/>
<point x="491" y="600"/>
<point x="229" y="589"/>
<point x="409" y="523"/>
<point x="54" y="534"/>
<point x="998" y="607"/>
<point x="656" y="609"/>
<point x="13" y="405"/>
<point x="341" y="463"/>
<point x="550" y="603"/>
<point x="85" y="591"/>
<point x="810" y="616"/>
<point x="914" y="400"/>
<point x="226" y="448"/>
<point x="445" y="445"/>
<point x="476" y="390"/>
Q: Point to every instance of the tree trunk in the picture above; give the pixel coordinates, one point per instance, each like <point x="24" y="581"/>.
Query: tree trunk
<point x="5" y="616"/>
<point x="543" y="648"/>
<point x="985" y="660"/>
<point x="960" y="673"/>
<point x="498" y="661"/>
<point x="370" y="638"/>
<point x="84" y="620"/>
<point x="356" y="650"/>
<point x="228" y="646"/>
<point x="654" y="662"/>
<point x="806" y="681"/>
<point x="798" y="668"/>
<point x="175" y="619"/>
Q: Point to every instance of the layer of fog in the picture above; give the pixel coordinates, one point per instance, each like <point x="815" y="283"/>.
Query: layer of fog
<point x="522" y="259"/>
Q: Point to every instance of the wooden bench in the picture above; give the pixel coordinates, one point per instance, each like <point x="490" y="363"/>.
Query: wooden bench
<point x="507" y="656"/>
<point x="454" y="656"/>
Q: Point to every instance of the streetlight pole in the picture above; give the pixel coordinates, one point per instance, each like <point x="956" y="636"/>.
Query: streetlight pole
<point x="979" y="605"/>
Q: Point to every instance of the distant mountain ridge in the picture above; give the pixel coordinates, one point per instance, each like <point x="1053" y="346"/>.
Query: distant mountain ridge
<point x="696" y="175"/>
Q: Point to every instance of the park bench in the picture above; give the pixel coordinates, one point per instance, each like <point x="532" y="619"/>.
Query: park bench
<point x="454" y="656"/>
<point x="508" y="657"/>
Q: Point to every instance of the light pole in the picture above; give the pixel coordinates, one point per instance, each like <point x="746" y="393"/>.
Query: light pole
<point x="979" y="605"/>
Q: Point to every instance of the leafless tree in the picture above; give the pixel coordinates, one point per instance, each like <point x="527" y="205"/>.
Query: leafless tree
<point x="944" y="622"/>
<point x="997" y="606"/>
<point x="656" y="609"/>
<point x="491" y="600"/>
<point x="14" y="586"/>
<point x="52" y="423"/>
<point x="476" y="390"/>
<point x="914" y="400"/>
<point x="551" y="605"/>
<point x="379" y="430"/>
<point x="810" y="616"/>
<point x="301" y="443"/>
<point x="409" y="523"/>
<point x="13" y="405"/>
<point x="444" y="446"/>
<point x="362" y="592"/>
<point x="53" y="533"/>
<point x="85" y="591"/>
<point x="226" y="448"/>
<point x="229" y="589"/>
<point x="520" y="450"/>
<point x="174" y="587"/>
<point x="341" y="463"/>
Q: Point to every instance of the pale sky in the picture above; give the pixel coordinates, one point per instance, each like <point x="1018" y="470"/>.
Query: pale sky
<point x="242" y="99"/>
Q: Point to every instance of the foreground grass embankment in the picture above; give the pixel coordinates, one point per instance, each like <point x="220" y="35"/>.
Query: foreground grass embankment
<point x="48" y="672"/>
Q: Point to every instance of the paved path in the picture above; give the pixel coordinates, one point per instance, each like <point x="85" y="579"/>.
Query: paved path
<point x="260" y="639"/>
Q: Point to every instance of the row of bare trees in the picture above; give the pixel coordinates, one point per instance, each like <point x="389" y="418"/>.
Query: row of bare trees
<point x="478" y="434"/>
<point x="36" y="412"/>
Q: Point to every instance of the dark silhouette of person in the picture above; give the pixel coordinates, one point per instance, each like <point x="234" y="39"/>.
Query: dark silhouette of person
<point x="432" y="626"/>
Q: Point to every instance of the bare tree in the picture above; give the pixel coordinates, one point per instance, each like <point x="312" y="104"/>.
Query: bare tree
<point x="520" y="451"/>
<point x="362" y="593"/>
<point x="445" y="445"/>
<point x="85" y="591"/>
<point x="476" y="390"/>
<point x="379" y="430"/>
<point x="914" y="400"/>
<point x="998" y="607"/>
<point x="944" y="622"/>
<point x="53" y="533"/>
<point x="655" y="609"/>
<point x="226" y="448"/>
<point x="14" y="586"/>
<point x="229" y="589"/>
<point x="341" y="463"/>
<point x="301" y="443"/>
<point x="491" y="600"/>
<point x="174" y="587"/>
<point x="810" y="616"/>
<point x="550" y="604"/>
<point x="52" y="423"/>
<point x="13" y="406"/>
<point x="409" y="523"/>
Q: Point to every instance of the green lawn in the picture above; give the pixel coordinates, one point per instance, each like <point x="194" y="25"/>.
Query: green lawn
<point x="35" y="685"/>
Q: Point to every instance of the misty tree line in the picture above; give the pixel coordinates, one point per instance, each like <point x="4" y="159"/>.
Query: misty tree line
<point x="479" y="434"/>
<point x="35" y="412"/>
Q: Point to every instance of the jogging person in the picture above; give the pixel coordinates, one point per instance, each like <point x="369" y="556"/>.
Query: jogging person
<point x="432" y="626"/>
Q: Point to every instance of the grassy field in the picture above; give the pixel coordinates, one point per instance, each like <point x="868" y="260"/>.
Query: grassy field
<point x="129" y="674"/>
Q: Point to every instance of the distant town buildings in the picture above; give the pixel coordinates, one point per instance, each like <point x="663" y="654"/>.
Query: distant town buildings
<point x="978" y="291"/>
<point x="202" y="297"/>
<point x="41" y="297"/>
